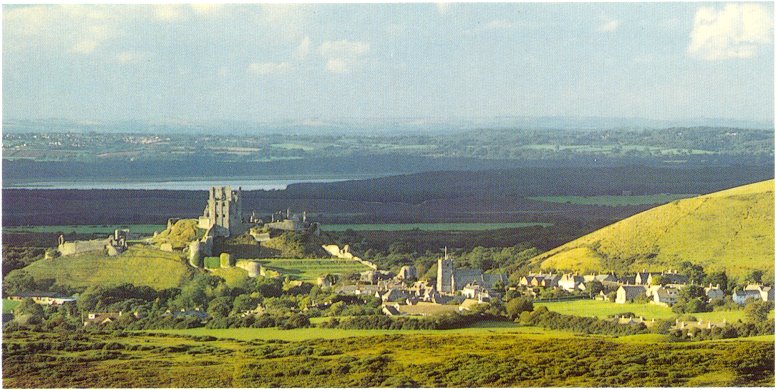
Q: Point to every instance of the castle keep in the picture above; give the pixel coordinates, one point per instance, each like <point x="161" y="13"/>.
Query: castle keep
<point x="223" y="213"/>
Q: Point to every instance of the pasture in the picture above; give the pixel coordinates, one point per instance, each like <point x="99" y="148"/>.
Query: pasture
<point x="9" y="305"/>
<point x="309" y="269"/>
<point x="601" y="309"/>
<point x="396" y="227"/>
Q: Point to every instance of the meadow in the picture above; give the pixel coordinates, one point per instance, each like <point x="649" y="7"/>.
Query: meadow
<point x="443" y="359"/>
<point x="614" y="200"/>
<point x="601" y="309"/>
<point x="9" y="305"/>
<point x="396" y="227"/>
<point x="310" y="269"/>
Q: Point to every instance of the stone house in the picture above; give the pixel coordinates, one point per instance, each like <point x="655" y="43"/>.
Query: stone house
<point x="665" y="296"/>
<point x="714" y="292"/>
<point x="570" y="282"/>
<point x="627" y="294"/>
<point x="740" y="297"/>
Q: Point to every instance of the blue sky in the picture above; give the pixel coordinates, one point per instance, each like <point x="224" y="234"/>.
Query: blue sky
<point x="323" y="61"/>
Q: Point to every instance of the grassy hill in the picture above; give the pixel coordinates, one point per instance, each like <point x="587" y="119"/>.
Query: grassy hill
<point x="180" y="234"/>
<point x="139" y="265"/>
<point x="730" y="230"/>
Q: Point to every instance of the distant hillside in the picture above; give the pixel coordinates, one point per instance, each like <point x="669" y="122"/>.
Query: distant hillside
<point x="731" y="230"/>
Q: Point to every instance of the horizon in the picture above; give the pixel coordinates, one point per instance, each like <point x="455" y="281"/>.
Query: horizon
<point x="270" y="63"/>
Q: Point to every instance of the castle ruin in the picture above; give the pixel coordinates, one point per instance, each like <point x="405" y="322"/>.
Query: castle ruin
<point x="223" y="212"/>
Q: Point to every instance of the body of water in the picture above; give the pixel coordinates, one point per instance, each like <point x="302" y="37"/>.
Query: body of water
<point x="247" y="184"/>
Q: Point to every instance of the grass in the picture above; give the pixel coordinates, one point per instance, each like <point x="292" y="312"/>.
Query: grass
<point x="613" y="200"/>
<point x="231" y="275"/>
<point x="9" y="305"/>
<point x="310" y="269"/>
<point x="729" y="231"/>
<point x="140" y="265"/>
<point x="463" y="226"/>
<point x="491" y="355"/>
<point x="85" y="229"/>
<point x="601" y="309"/>
<point x="481" y="328"/>
<point x="181" y="234"/>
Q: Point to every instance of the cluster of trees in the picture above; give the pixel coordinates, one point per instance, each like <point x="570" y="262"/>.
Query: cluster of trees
<point x="442" y="321"/>
<point x="552" y="320"/>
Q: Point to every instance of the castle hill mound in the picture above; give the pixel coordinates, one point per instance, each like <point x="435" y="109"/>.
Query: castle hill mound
<point x="139" y="265"/>
<point x="178" y="234"/>
<point x="730" y="230"/>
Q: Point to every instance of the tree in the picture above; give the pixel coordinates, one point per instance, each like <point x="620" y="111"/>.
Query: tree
<point x="518" y="305"/>
<point x="718" y="278"/>
<point x="756" y="311"/>
<point x="755" y="276"/>
<point x="694" y="272"/>
<point x="30" y="309"/>
<point x="219" y="307"/>
<point x="691" y="299"/>
<point x="595" y="287"/>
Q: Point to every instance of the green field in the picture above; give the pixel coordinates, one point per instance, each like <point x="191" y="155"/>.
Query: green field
<point x="85" y="229"/>
<point x="9" y="305"/>
<point x="729" y="231"/>
<point x="482" y="357"/>
<point x="396" y="227"/>
<point x="140" y="265"/>
<point x="613" y="200"/>
<point x="601" y="309"/>
<point x="310" y="269"/>
<point x="482" y="328"/>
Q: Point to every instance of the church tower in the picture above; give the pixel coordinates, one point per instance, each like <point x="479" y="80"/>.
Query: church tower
<point x="445" y="273"/>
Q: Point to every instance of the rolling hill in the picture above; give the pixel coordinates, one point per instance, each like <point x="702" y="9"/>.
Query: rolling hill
<point x="730" y="230"/>
<point x="139" y="265"/>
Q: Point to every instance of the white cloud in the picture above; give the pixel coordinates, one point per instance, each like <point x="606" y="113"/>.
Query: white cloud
<point x="498" y="24"/>
<point x="343" y="55"/>
<point x="205" y="9"/>
<point x="168" y="13"/>
<point x="337" y="65"/>
<point x="301" y="51"/>
<point x="131" y="57"/>
<point x="442" y="7"/>
<point x="269" y="68"/>
<point x="609" y="26"/>
<point x="84" y="47"/>
<point x="735" y="31"/>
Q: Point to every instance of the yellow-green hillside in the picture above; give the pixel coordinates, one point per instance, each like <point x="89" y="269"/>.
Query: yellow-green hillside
<point x="730" y="230"/>
<point x="139" y="265"/>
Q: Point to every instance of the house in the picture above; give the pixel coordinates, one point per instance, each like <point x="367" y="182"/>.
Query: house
<point x="641" y="278"/>
<point x="394" y="295"/>
<point x="714" y="292"/>
<point x="765" y="292"/>
<point x="600" y="277"/>
<point x="627" y="294"/>
<point x="407" y="272"/>
<point x="570" y="282"/>
<point x="740" y="297"/>
<point x="391" y="310"/>
<point x="665" y="296"/>
<point x="45" y="298"/>
<point x="101" y="318"/>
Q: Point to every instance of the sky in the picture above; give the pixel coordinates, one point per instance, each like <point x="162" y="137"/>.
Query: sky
<point x="314" y="62"/>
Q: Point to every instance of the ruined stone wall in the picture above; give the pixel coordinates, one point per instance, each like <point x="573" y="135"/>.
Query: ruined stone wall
<point x="76" y="247"/>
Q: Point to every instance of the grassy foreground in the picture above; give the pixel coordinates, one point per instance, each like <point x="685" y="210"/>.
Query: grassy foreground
<point x="502" y="359"/>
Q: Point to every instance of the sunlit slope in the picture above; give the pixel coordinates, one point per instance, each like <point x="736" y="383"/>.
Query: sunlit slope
<point x="141" y="266"/>
<point x="730" y="230"/>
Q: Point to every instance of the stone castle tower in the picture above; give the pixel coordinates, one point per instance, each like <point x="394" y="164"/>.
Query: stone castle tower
<point x="223" y="212"/>
<point x="445" y="274"/>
